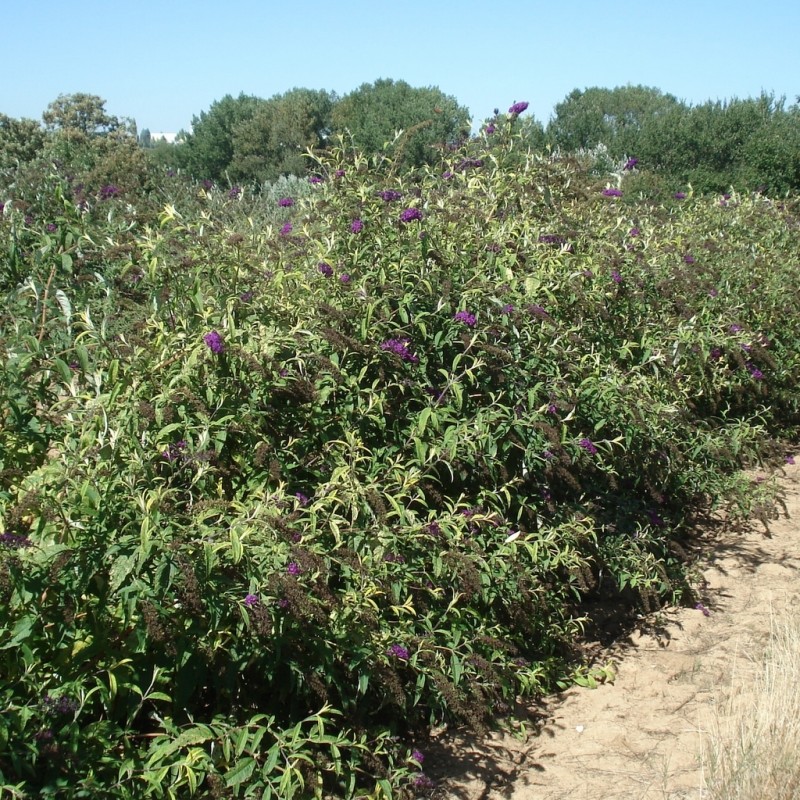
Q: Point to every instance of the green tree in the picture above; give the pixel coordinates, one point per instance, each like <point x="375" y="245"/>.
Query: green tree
<point x="209" y="149"/>
<point x="273" y="141"/>
<point x="373" y="113"/>
<point x="83" y="114"/>
<point x="614" y="117"/>
<point x="746" y="144"/>
<point x="21" y="140"/>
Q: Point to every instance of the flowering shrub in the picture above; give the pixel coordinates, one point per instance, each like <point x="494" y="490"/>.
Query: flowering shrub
<point x="263" y="528"/>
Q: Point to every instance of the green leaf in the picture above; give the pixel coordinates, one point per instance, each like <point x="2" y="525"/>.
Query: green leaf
<point x="120" y="570"/>
<point x="196" y="735"/>
<point x="241" y="772"/>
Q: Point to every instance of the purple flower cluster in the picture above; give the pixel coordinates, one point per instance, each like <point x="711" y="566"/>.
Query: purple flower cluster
<point x="398" y="651"/>
<point x="315" y="179"/>
<point x="389" y="195"/>
<point x="680" y="195"/>
<point x="175" y="451"/>
<point x="631" y="163"/>
<point x="51" y="228"/>
<point x="588" y="445"/>
<point x="293" y="568"/>
<point x="433" y="528"/>
<point x="612" y="192"/>
<point x="507" y="309"/>
<point x="301" y="498"/>
<point x="466" y="317"/>
<point x="286" y="229"/>
<point x="468" y="163"/>
<point x="214" y="342"/>
<point x="356" y="226"/>
<point x="60" y="706"/>
<point x="538" y="311"/>
<point x="286" y="202"/>
<point x="634" y="232"/>
<point x="755" y="371"/>
<point x="108" y="191"/>
<point x="234" y="192"/>
<point x="490" y="128"/>
<point x="518" y="108"/>
<point x="410" y="214"/>
<point x="251" y="600"/>
<point x="325" y="268"/>
<point x="552" y="238"/>
<point x="339" y="173"/>
<point x="14" y="541"/>
<point x="400" y="348"/>
<point x="616" y="276"/>
<point x="344" y="278"/>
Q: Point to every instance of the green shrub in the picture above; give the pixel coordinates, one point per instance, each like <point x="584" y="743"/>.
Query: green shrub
<point x="286" y="484"/>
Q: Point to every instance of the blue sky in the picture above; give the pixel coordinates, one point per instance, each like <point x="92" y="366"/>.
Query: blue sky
<point x="161" y="63"/>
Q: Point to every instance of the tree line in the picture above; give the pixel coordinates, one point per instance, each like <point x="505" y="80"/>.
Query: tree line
<point x="748" y="144"/>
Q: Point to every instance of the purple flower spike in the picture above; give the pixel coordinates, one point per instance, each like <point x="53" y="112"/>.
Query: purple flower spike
<point x="325" y="269"/>
<point x="466" y="317"/>
<point x="518" y="108"/>
<point x="251" y="600"/>
<point x="612" y="192"/>
<point x="214" y="342"/>
<point x="490" y="128"/>
<point x="286" y="229"/>
<point x="410" y="214"/>
<point x="398" y="651"/>
<point x="344" y="278"/>
<point x="588" y="445"/>
<point x="680" y="195"/>
<point x="286" y="202"/>
<point x="400" y="348"/>
<point x="315" y="179"/>
<point x="631" y="163"/>
<point x="356" y="226"/>
<point x="301" y="498"/>
<point x="293" y="568"/>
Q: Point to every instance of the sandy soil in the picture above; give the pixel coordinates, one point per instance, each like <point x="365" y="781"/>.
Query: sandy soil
<point x="643" y="736"/>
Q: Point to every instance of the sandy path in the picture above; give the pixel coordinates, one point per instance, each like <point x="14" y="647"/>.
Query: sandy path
<point x="642" y="736"/>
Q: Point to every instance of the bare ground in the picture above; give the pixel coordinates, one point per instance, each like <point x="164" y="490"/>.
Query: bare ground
<point x="642" y="737"/>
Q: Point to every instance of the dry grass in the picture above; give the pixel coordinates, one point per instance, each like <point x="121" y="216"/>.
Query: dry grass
<point x="755" y="749"/>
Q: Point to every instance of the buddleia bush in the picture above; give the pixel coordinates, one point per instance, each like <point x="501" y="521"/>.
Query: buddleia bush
<point x="300" y="476"/>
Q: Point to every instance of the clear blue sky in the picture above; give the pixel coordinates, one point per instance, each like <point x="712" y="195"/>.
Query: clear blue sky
<point x="162" y="62"/>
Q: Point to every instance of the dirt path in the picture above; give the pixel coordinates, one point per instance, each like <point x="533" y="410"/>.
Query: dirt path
<point x="641" y="738"/>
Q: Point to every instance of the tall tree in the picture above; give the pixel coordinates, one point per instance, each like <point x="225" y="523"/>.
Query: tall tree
<point x="373" y="113"/>
<point x="614" y="117"/>
<point x="273" y="141"/>
<point x="209" y="148"/>
<point x="21" y="140"/>
<point x="83" y="114"/>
